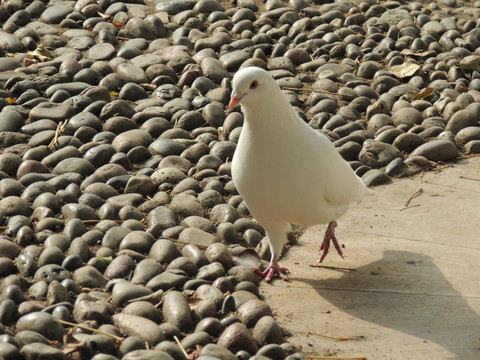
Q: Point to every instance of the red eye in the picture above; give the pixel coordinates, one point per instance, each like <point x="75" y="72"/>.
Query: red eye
<point x="253" y="84"/>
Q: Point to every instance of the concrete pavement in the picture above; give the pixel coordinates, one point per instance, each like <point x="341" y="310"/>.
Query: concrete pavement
<point x="415" y="290"/>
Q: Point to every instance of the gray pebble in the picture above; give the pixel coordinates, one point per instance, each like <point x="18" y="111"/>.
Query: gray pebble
<point x="43" y="323"/>
<point x="140" y="327"/>
<point x="437" y="150"/>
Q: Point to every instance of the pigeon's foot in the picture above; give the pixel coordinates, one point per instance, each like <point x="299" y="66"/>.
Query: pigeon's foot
<point x="272" y="270"/>
<point x="330" y="236"/>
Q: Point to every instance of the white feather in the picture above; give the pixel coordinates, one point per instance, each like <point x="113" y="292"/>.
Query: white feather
<point x="287" y="172"/>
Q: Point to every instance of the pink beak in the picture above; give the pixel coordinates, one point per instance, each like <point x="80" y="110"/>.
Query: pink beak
<point x="234" y="99"/>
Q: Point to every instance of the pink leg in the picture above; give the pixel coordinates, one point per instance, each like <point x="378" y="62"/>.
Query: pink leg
<point x="330" y="235"/>
<point x="272" y="270"/>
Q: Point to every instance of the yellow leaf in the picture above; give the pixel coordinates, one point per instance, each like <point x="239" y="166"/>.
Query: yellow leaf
<point x="113" y="93"/>
<point x="404" y="70"/>
<point x="40" y="53"/>
<point x="10" y="100"/>
<point x="420" y="96"/>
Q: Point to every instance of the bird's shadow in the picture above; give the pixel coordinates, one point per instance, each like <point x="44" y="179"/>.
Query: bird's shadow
<point x="409" y="294"/>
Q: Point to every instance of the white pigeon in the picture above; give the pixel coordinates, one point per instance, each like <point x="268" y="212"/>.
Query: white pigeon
<point x="287" y="172"/>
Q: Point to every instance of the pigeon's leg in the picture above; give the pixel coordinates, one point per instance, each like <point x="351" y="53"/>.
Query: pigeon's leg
<point x="330" y="236"/>
<point x="272" y="270"/>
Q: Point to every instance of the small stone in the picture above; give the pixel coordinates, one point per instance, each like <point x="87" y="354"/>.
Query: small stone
<point x="177" y="311"/>
<point x="437" y="150"/>
<point x="375" y="177"/>
<point x="237" y="337"/>
<point x="43" y="323"/>
<point x="140" y="327"/>
<point x="377" y="154"/>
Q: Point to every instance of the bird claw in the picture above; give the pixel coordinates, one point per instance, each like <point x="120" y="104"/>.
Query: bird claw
<point x="270" y="272"/>
<point x="330" y="236"/>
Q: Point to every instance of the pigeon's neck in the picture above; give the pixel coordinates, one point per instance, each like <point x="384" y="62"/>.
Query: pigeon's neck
<point x="271" y="111"/>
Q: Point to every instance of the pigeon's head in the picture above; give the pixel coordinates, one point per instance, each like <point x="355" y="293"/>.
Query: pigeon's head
<point x="250" y="83"/>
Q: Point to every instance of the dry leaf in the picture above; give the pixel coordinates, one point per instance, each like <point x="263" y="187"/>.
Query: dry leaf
<point x="104" y="16"/>
<point x="71" y="345"/>
<point x="193" y="302"/>
<point x="375" y="271"/>
<point x="404" y="70"/>
<point x="40" y="53"/>
<point x="420" y="96"/>
<point x="10" y="100"/>
<point x="409" y="52"/>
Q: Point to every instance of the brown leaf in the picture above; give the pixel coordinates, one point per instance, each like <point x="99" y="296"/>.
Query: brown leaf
<point x="72" y="345"/>
<point x="404" y="70"/>
<point x="420" y="96"/>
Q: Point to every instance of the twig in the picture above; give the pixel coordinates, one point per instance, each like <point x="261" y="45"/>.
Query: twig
<point x="314" y="91"/>
<point x="180" y="346"/>
<point x="409" y="207"/>
<point x="468" y="156"/>
<point x="332" y="267"/>
<point x="335" y="338"/>
<point x="469" y="178"/>
<point x="414" y="195"/>
<point x="186" y="243"/>
<point x="153" y="296"/>
<point x="84" y="327"/>
<point x="336" y="358"/>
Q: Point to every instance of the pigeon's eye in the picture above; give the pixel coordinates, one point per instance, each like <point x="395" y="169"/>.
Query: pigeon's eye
<point x="253" y="84"/>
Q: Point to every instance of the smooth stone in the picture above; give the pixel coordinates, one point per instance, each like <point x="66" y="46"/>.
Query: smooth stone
<point x="408" y="142"/>
<point x="43" y="323"/>
<point x="375" y="177"/>
<point x="75" y="165"/>
<point x="144" y="309"/>
<point x="210" y="293"/>
<point x="461" y="120"/>
<point x="9" y="351"/>
<point x="408" y="116"/>
<point x="472" y="147"/>
<point x="123" y="291"/>
<point x="10" y="42"/>
<point x="147" y="355"/>
<point x="197" y="237"/>
<point x="139" y="241"/>
<point x="131" y="73"/>
<point x="251" y="311"/>
<point x="267" y="331"/>
<point x="164" y="251"/>
<point x="437" y="150"/>
<point x="377" y="154"/>
<point x="88" y="276"/>
<point x="120" y="267"/>
<point x="102" y="51"/>
<point x="87" y="308"/>
<point x="463" y="136"/>
<point x="236" y="337"/>
<point x="146" y="270"/>
<point x="49" y="110"/>
<point x="140" y="327"/>
<point x="42" y="351"/>
<point x="177" y="311"/>
<point x="167" y="280"/>
<point x="14" y="205"/>
<point x="130" y="139"/>
<point x="211" y="271"/>
<point x="56" y="13"/>
<point x="51" y="272"/>
<point x="162" y="216"/>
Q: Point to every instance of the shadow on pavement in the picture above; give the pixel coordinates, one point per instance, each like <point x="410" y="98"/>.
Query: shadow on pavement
<point x="409" y="294"/>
